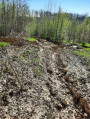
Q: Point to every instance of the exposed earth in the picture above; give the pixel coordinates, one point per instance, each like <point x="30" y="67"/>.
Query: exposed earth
<point x="42" y="80"/>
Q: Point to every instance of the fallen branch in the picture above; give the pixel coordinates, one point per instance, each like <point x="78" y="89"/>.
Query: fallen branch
<point x="19" y="81"/>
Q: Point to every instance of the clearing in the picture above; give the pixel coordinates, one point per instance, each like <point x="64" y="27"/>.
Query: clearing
<point x="42" y="80"/>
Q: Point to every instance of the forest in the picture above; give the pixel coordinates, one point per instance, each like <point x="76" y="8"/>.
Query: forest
<point x="44" y="62"/>
<point x="17" y="17"/>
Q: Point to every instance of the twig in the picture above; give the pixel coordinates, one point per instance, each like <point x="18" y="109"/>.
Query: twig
<point x="13" y="70"/>
<point x="15" y="74"/>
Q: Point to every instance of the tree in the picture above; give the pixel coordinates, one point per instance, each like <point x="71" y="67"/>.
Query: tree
<point x="13" y="14"/>
<point x="85" y="30"/>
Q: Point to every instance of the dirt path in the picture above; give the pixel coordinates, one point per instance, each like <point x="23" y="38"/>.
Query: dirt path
<point x="55" y="83"/>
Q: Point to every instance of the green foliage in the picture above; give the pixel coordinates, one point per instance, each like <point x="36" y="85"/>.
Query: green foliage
<point x="37" y="72"/>
<point x="60" y="28"/>
<point x="87" y="50"/>
<point x="84" y="53"/>
<point x="87" y="45"/>
<point x="36" y="58"/>
<point x="25" y="55"/>
<point x="31" y="28"/>
<point x="13" y="15"/>
<point x="3" y="44"/>
<point x="67" y="42"/>
<point x="30" y="39"/>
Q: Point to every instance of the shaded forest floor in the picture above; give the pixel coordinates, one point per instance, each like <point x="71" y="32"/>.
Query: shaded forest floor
<point x="41" y="80"/>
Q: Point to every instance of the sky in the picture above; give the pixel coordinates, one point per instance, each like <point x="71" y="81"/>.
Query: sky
<point x="71" y="6"/>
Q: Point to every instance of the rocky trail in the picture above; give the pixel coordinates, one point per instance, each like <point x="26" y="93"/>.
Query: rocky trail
<point x="42" y="80"/>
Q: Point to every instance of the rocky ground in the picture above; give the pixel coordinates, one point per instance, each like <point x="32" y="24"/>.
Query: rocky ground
<point x="41" y="80"/>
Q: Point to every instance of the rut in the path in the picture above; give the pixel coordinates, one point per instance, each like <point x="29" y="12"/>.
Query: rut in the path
<point x="59" y="93"/>
<point x="56" y="70"/>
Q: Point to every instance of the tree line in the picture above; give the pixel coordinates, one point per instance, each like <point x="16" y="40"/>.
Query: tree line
<point x="15" y="16"/>
<point x="59" y="26"/>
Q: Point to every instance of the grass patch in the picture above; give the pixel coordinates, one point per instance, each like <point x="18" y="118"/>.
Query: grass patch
<point x="87" y="49"/>
<point x="84" y="53"/>
<point x="30" y="39"/>
<point x="87" y="45"/>
<point x="65" y="41"/>
<point x="3" y="44"/>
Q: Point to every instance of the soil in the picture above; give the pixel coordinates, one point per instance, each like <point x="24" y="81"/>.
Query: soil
<point x="42" y="80"/>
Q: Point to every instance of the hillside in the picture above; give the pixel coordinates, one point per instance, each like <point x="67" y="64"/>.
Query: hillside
<point x="42" y="80"/>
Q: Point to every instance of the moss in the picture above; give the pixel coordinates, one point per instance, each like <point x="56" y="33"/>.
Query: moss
<point x="30" y="39"/>
<point x="87" y="49"/>
<point x="3" y="44"/>
<point x="65" y="41"/>
<point x="84" y="53"/>
<point x="86" y="45"/>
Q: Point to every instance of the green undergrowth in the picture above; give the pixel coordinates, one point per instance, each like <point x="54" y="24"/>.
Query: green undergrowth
<point x="86" y="45"/>
<point x="37" y="71"/>
<point x="30" y="39"/>
<point x="3" y="44"/>
<point x="65" y="41"/>
<point x="87" y="49"/>
<point x="83" y="53"/>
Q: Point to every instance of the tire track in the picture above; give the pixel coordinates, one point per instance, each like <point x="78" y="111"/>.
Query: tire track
<point x="61" y="88"/>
